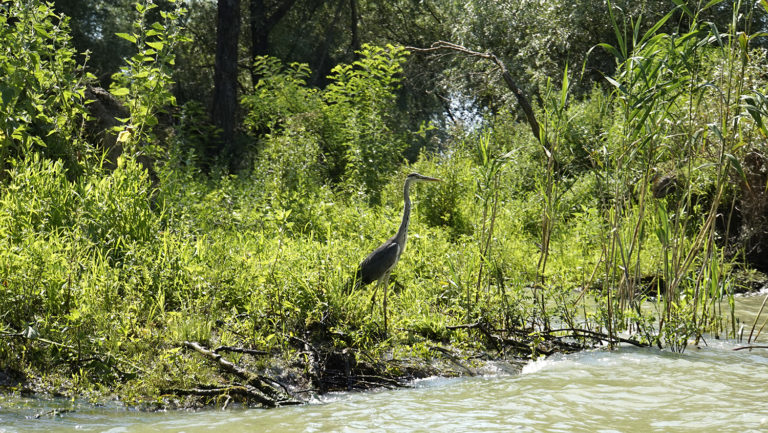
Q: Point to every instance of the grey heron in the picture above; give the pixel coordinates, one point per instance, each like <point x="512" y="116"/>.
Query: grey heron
<point x="379" y="264"/>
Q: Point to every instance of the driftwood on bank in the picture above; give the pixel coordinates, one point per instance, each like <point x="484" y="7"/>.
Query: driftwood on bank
<point x="256" y="387"/>
<point x="544" y="342"/>
<point x="330" y="369"/>
<point x="243" y="350"/>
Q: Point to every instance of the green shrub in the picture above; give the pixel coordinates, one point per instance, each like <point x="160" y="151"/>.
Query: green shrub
<point x="144" y="84"/>
<point x="346" y="134"/>
<point x="41" y="93"/>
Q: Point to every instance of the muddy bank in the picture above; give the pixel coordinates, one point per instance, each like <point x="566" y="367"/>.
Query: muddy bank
<point x="308" y="367"/>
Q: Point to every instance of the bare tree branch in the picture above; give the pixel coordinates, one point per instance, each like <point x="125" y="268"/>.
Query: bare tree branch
<point x="522" y="99"/>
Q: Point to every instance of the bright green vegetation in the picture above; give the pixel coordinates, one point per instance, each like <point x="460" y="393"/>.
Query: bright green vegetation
<point x="622" y="219"/>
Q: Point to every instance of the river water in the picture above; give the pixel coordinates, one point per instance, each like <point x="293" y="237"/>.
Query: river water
<point x="711" y="388"/>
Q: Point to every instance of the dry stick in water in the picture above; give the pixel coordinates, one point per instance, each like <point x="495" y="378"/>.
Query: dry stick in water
<point x="750" y="347"/>
<point x="765" y="322"/>
<point x="749" y="340"/>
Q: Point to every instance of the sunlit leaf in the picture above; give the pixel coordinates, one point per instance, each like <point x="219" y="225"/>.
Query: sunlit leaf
<point x="120" y="91"/>
<point x="127" y="37"/>
<point x="30" y="332"/>
<point x="735" y="163"/>
<point x="681" y="4"/>
<point x="156" y="45"/>
<point x="124" y="136"/>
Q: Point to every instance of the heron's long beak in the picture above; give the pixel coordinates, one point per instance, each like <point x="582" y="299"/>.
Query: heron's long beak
<point x="431" y="179"/>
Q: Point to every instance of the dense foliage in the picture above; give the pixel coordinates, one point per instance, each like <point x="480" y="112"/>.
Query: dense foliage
<point x="646" y="192"/>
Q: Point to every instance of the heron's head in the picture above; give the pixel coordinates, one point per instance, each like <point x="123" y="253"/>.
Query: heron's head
<point x="416" y="177"/>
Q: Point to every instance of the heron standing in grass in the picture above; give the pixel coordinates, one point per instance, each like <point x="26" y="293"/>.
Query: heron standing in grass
<point x="379" y="264"/>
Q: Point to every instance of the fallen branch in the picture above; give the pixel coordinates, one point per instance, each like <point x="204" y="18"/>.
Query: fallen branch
<point x="254" y="352"/>
<point x="600" y="336"/>
<point x="498" y="341"/>
<point x="377" y="381"/>
<point x="495" y="339"/>
<point x="256" y="385"/>
<point x="750" y="347"/>
<point x="244" y="391"/>
<point x="550" y="337"/>
<point x="453" y="358"/>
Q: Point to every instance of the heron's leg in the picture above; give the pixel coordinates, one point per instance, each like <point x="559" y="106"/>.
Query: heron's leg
<point x="384" y="303"/>
<point x="373" y="296"/>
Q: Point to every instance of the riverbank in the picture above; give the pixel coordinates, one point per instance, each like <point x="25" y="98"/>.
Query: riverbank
<point x="189" y="374"/>
<point x="193" y="375"/>
<point x="649" y="390"/>
<point x="197" y="376"/>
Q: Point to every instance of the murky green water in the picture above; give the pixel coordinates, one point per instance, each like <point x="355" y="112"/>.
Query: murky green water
<point x="707" y="389"/>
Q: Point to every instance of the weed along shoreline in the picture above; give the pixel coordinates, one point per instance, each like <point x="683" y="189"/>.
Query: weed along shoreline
<point x="308" y="368"/>
<point x="208" y="207"/>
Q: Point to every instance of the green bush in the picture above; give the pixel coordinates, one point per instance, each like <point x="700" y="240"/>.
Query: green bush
<point x="144" y="83"/>
<point x="346" y="134"/>
<point x="41" y="93"/>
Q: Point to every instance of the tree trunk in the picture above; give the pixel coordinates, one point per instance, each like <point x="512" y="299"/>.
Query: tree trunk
<point x="259" y="29"/>
<point x="322" y="64"/>
<point x="261" y="23"/>
<point x="224" y="110"/>
<point x="354" y="19"/>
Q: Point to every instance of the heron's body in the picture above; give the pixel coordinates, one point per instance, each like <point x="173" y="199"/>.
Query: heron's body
<point x="378" y="265"/>
<point x="380" y="262"/>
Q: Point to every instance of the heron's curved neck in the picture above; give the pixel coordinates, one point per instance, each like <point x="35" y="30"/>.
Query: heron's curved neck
<point x="402" y="233"/>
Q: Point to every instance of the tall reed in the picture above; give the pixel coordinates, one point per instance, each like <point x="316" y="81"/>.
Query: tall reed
<point x="677" y="149"/>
